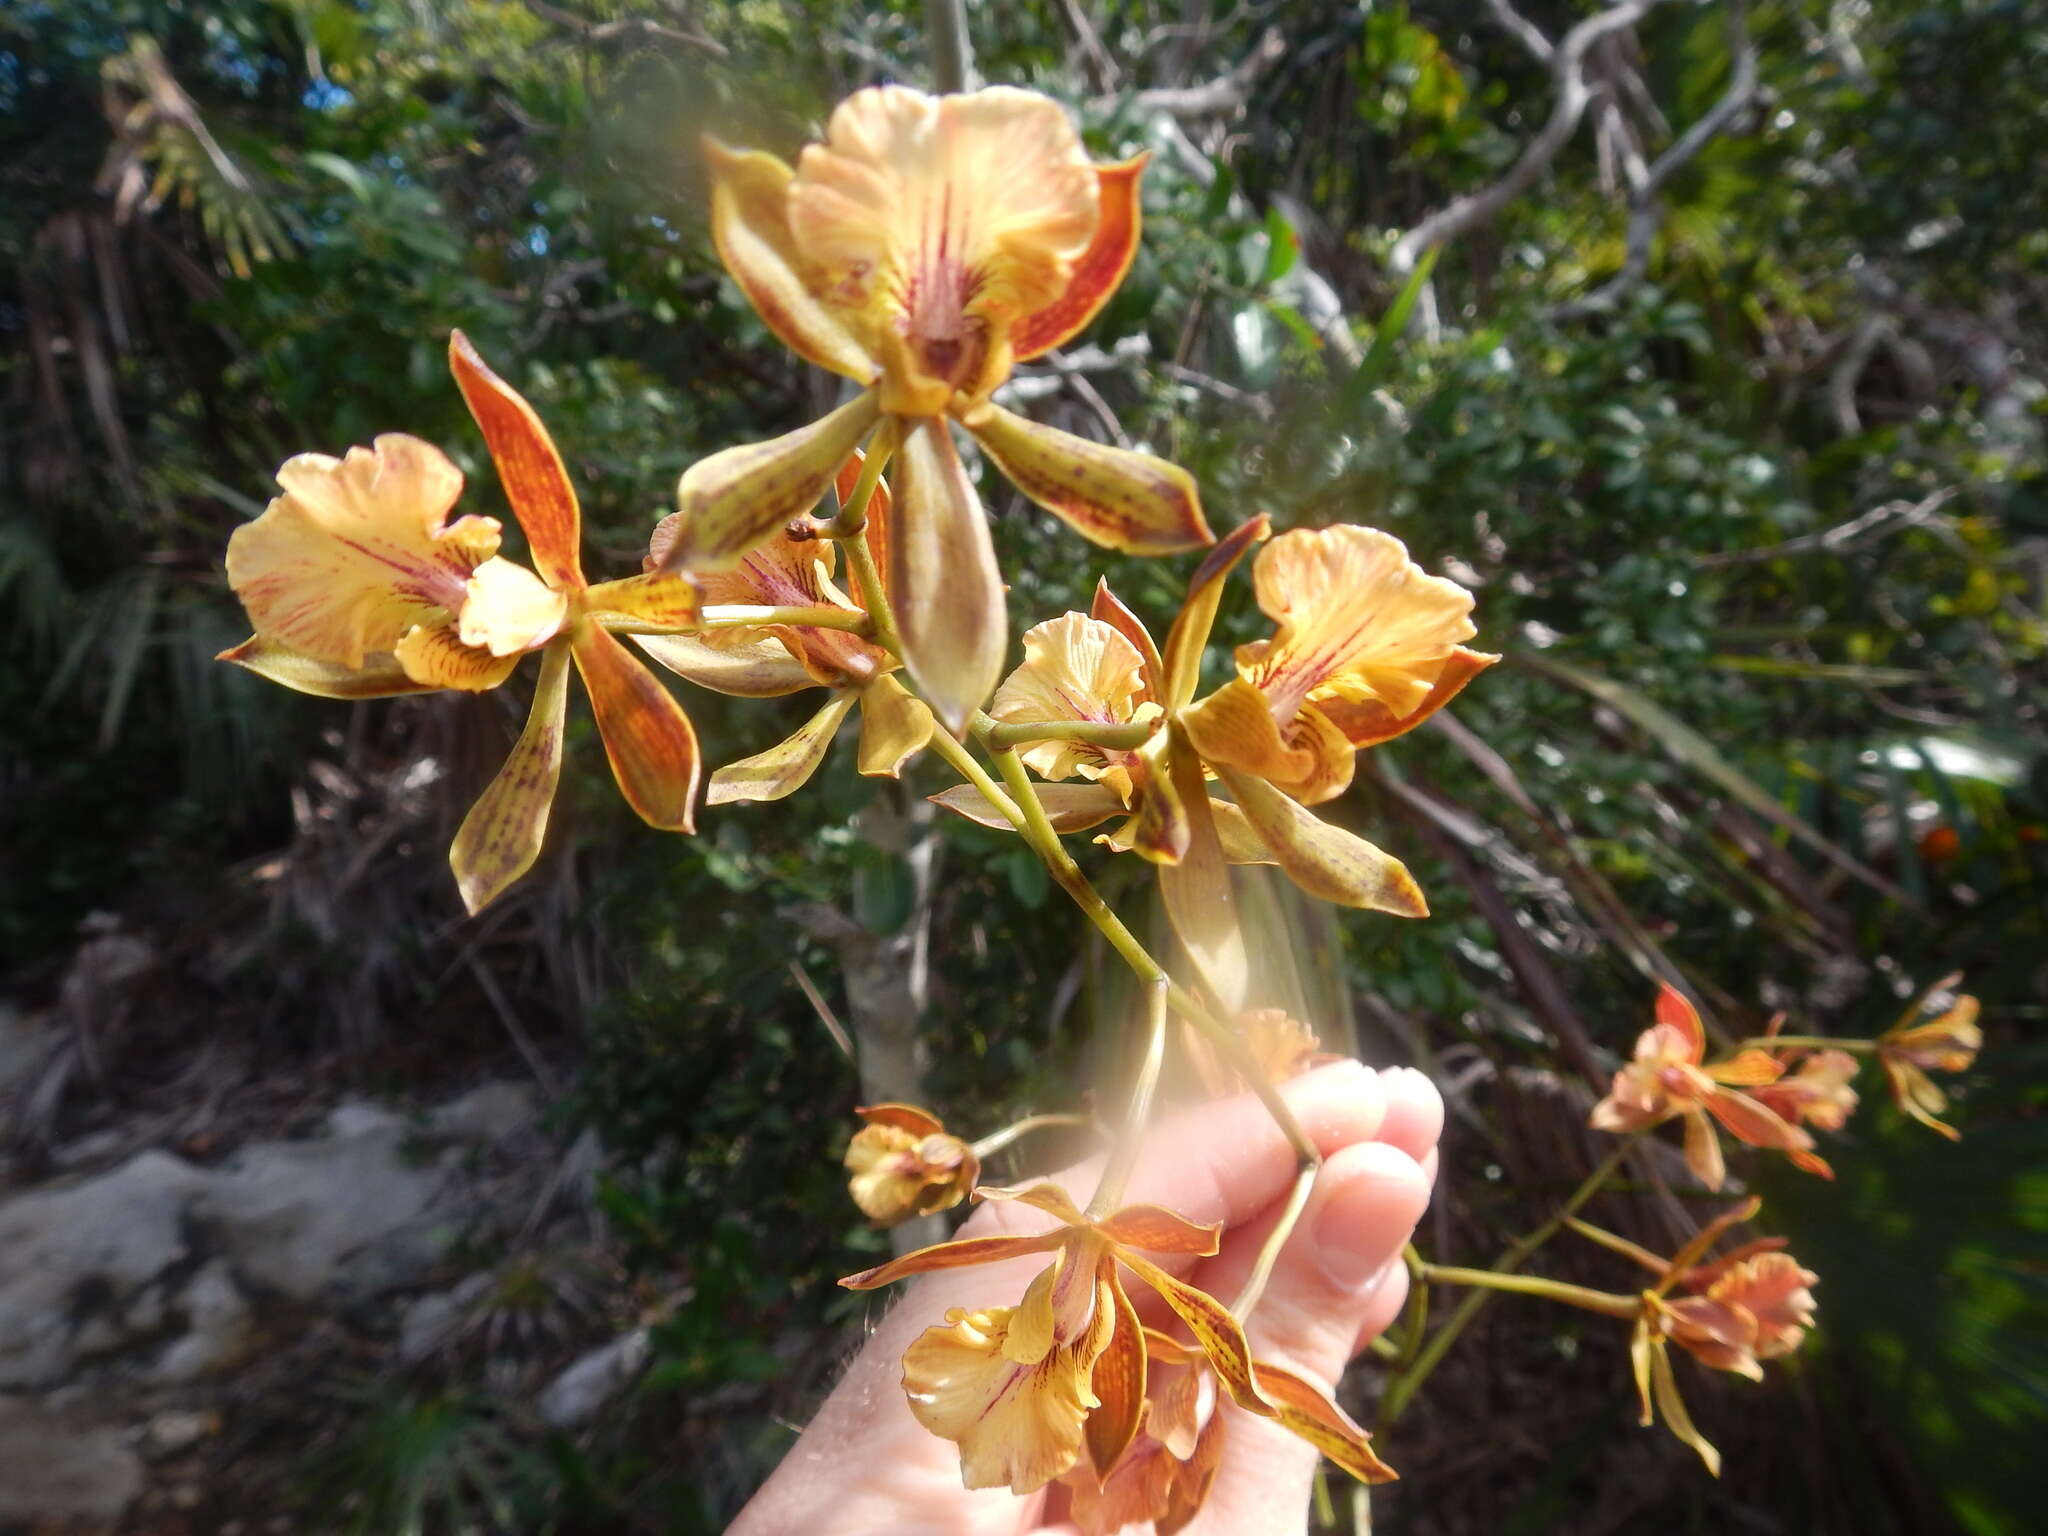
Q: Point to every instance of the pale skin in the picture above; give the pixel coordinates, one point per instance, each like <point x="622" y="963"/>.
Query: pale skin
<point x="865" y="1467"/>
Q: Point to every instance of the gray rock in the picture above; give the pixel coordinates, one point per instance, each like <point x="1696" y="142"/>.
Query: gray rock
<point x="430" y="1320"/>
<point x="490" y="1114"/>
<point x="580" y="1392"/>
<point x="220" y="1327"/>
<point x="58" y="1470"/>
<point x="292" y="1215"/>
<point x="75" y="1257"/>
<point x="177" y="1429"/>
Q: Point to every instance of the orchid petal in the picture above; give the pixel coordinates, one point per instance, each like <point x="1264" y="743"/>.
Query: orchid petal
<point x="742" y="496"/>
<point x="1200" y="902"/>
<point x="380" y="677"/>
<point x="1672" y="1406"/>
<point x="903" y="1117"/>
<point x="1322" y="859"/>
<point x="643" y="599"/>
<point x="1366" y="722"/>
<point x="1703" y="1150"/>
<point x="954" y="1255"/>
<point x="750" y="227"/>
<point x="355" y="552"/>
<point x="1189" y="637"/>
<point x="1751" y="1068"/>
<point x="1163" y="830"/>
<point x="1017" y="1426"/>
<point x="502" y="834"/>
<point x="1675" y="1010"/>
<point x="787" y="766"/>
<point x="1113" y="496"/>
<point x="1097" y="271"/>
<point x="647" y="736"/>
<point x="1307" y="1411"/>
<point x="1074" y="668"/>
<point x="1158" y="1230"/>
<point x="1050" y="1198"/>
<point x="759" y="667"/>
<point x="1069" y="807"/>
<point x="895" y="726"/>
<point x="952" y="617"/>
<point x="507" y="610"/>
<point x="1118" y="1383"/>
<point x="529" y="466"/>
<point x="1234" y="726"/>
<point x="433" y="657"/>
<point x="1112" y="610"/>
<point x="1220" y="1334"/>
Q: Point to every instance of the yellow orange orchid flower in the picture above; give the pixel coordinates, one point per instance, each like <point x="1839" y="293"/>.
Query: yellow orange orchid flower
<point x="1908" y="1053"/>
<point x="1818" y="1092"/>
<point x="1367" y="649"/>
<point x="1751" y="1305"/>
<point x="1666" y="1080"/>
<point x="922" y="249"/>
<point x="1024" y="1390"/>
<point x="904" y="1164"/>
<point x="359" y="587"/>
<point x="795" y="570"/>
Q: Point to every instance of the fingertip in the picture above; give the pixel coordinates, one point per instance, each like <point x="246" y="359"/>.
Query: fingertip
<point x="1414" y="1114"/>
<point x="1338" y="1104"/>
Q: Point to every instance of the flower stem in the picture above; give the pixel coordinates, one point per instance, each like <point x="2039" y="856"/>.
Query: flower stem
<point x="1019" y="733"/>
<point x="1531" y="1285"/>
<point x="995" y="1141"/>
<point x="1123" y="1156"/>
<point x="1807" y="1042"/>
<point x="1403" y="1387"/>
<point x="850" y="529"/>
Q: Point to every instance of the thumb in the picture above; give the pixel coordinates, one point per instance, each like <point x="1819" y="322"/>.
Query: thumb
<point x="1339" y="1281"/>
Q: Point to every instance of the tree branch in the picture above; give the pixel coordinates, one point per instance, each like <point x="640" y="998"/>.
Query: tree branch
<point x="627" y="28"/>
<point x="1568" y="72"/>
<point x="1226" y="93"/>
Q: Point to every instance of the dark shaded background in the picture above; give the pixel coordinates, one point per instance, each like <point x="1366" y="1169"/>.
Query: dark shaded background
<point x="1760" y="534"/>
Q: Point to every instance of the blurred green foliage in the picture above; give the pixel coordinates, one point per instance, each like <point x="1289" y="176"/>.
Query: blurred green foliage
<point x="1752" y="727"/>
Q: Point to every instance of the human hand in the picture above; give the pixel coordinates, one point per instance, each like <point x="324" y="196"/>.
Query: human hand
<point x="865" y="1465"/>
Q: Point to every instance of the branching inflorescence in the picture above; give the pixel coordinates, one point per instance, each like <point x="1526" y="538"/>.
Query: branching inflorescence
<point x="922" y="249"/>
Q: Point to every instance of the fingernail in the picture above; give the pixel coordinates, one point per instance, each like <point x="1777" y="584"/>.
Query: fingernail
<point x="1361" y="1228"/>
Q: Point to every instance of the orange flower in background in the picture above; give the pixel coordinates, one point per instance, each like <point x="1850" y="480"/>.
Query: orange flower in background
<point x="1367" y="649"/>
<point x="1751" y="1305"/>
<point x="795" y="569"/>
<point x="1666" y="1080"/>
<point x="904" y="1164"/>
<point x="1023" y="1390"/>
<point x="358" y="587"/>
<point x="1946" y="1044"/>
<point x="1818" y="1092"/>
<point x="925" y="247"/>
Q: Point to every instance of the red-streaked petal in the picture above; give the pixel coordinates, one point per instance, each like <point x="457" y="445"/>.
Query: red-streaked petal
<point x="895" y="726"/>
<point x="1308" y="1411"/>
<point x="1368" y="722"/>
<point x="1119" y="1386"/>
<point x="750" y="227"/>
<point x="1113" y="496"/>
<point x="646" y="735"/>
<point x="955" y="1255"/>
<point x="1158" y="1230"/>
<point x="1113" y="611"/>
<point x="1099" y="268"/>
<point x="380" y="676"/>
<point x="503" y="832"/>
<point x="1220" y="1335"/>
<point x="1070" y="807"/>
<point x="435" y="658"/>
<point x="742" y="496"/>
<point x="758" y="667"/>
<point x="1235" y="726"/>
<point x="1675" y="1009"/>
<point x="644" y="599"/>
<point x="787" y="766"/>
<point x="1189" y="637"/>
<point x="529" y="467"/>
<point x="948" y="588"/>
<point x="1322" y="859"/>
<point x="904" y="1117"/>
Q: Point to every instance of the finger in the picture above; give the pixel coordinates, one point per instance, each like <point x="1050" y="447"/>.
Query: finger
<point x="1415" y="1111"/>
<point x="1338" y="1282"/>
<point x="1224" y="1161"/>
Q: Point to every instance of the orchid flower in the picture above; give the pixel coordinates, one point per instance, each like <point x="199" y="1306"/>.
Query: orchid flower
<point x="359" y="587"/>
<point x="923" y="249"/>
<point x="1023" y="1390"/>
<point x="1666" y="1080"/>
<point x="1366" y="648"/>
<point x="904" y="1164"/>
<point x="1946" y="1044"/>
<point x="1751" y="1305"/>
<point x="795" y="569"/>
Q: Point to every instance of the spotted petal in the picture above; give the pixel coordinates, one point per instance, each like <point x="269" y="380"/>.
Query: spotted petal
<point x="785" y="767"/>
<point x="755" y="667"/>
<point x="1115" y="497"/>
<point x="647" y="736"/>
<point x="502" y="834"/>
<point x="1069" y="807"/>
<point x="531" y="470"/>
<point x="1323" y="860"/>
<point x="379" y="677"/>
